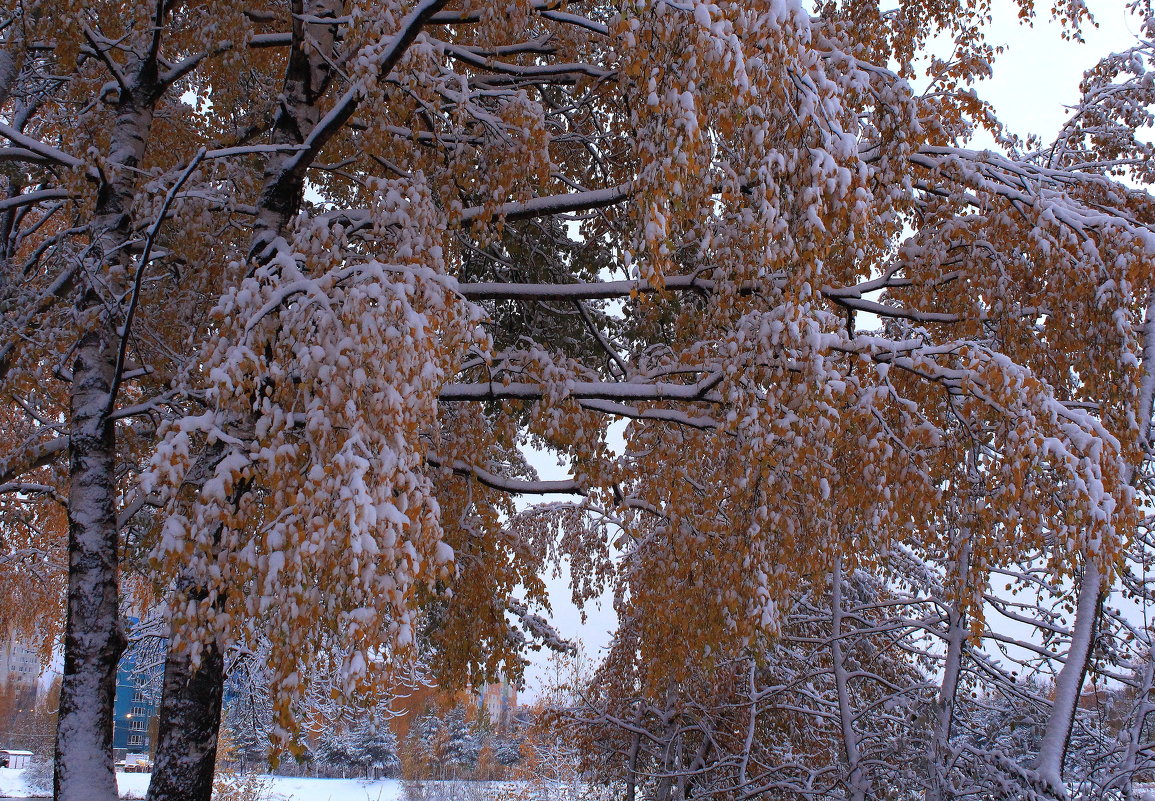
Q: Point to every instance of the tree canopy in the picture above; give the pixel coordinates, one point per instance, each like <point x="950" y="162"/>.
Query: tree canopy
<point x="290" y="288"/>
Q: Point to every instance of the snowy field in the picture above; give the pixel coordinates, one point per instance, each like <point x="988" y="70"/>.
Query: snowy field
<point x="283" y="788"/>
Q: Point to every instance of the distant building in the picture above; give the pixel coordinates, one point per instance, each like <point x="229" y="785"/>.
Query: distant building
<point x="499" y="700"/>
<point x="19" y="667"/>
<point x="137" y="700"/>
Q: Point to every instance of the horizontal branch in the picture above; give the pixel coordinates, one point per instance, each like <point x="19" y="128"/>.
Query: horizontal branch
<point x="847" y="297"/>
<point x="882" y="310"/>
<point x="588" y="390"/>
<point x="545" y="206"/>
<point x="29" y="488"/>
<point x="22" y="154"/>
<point x="544" y="8"/>
<point x="553" y="204"/>
<point x="25" y="460"/>
<point x="594" y="290"/>
<point x="675" y="416"/>
<point x="271" y="40"/>
<point x="505" y="484"/>
<point x="39" y="148"/>
<point x="32" y="198"/>
<point x="519" y="70"/>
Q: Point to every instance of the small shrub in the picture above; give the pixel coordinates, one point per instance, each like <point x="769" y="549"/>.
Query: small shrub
<point x="228" y="786"/>
<point x="450" y="790"/>
<point x="38" y="777"/>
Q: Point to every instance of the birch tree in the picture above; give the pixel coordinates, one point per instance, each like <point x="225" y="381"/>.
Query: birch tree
<point x="87" y="355"/>
<point x="431" y="233"/>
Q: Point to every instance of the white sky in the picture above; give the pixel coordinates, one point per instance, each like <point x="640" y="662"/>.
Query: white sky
<point x="1033" y="79"/>
<point x="1039" y="72"/>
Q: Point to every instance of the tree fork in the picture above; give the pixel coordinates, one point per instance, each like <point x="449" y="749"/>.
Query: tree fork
<point x="94" y="640"/>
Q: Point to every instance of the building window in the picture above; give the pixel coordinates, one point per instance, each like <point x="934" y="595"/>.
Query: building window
<point x="136" y="739"/>
<point x="138" y="710"/>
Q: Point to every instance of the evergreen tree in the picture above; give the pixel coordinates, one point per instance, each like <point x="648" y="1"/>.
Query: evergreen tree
<point x="376" y="748"/>
<point x="423" y="745"/>
<point x="248" y="712"/>
<point x="462" y="743"/>
<point x="507" y="749"/>
<point x="337" y="751"/>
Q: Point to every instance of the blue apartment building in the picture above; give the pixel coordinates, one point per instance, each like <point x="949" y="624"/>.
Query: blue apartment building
<point x="137" y="699"/>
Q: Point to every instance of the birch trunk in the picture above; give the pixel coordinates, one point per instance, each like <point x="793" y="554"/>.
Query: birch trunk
<point x="1069" y="682"/>
<point x="938" y="788"/>
<point x="1143" y="705"/>
<point x="94" y="639"/>
<point x="190" y="710"/>
<point x="751" y="727"/>
<point x="857" y="782"/>
<point x="190" y="703"/>
<point x="632" y="770"/>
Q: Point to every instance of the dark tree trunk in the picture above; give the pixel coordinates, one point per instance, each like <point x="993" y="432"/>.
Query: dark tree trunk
<point x="190" y="712"/>
<point x="190" y="716"/>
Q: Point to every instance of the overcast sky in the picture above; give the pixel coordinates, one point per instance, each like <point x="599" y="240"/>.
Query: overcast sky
<point x="1039" y="73"/>
<point x="1033" y="80"/>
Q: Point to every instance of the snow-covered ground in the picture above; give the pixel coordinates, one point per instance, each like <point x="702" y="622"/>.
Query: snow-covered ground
<point x="282" y="788"/>
<point x="12" y="783"/>
<point x="288" y="789"/>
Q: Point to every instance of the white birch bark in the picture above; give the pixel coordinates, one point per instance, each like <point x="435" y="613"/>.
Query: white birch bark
<point x="939" y="785"/>
<point x="944" y="707"/>
<point x="94" y="639"/>
<point x="1133" y="733"/>
<point x="857" y="783"/>
<point x="1069" y="682"/>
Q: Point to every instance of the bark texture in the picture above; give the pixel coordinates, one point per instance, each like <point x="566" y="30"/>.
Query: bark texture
<point x="190" y="717"/>
<point x="1069" y="682"/>
<point x="94" y="639"/>
<point x="857" y="780"/>
<point x="938" y="780"/>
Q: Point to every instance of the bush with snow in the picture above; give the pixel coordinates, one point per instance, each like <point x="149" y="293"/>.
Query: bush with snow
<point x="38" y="776"/>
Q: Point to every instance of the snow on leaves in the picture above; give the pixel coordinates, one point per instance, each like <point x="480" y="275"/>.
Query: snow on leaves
<point x="432" y="233"/>
<point x="324" y="381"/>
